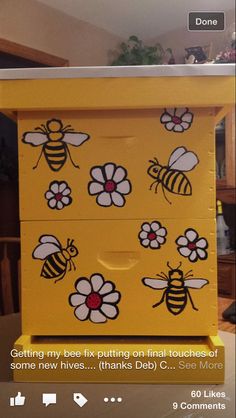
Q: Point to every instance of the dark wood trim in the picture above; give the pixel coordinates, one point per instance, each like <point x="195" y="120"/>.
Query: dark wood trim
<point x="225" y="194"/>
<point x="223" y="324"/>
<point x="221" y="183"/>
<point x="227" y="258"/>
<point x="32" y="54"/>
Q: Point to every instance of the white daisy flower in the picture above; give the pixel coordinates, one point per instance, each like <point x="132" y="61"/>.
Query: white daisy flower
<point x="58" y="195"/>
<point x="109" y="184"/>
<point x="191" y="246"/>
<point x="152" y="235"/>
<point x="95" y="299"/>
<point x="177" y="119"/>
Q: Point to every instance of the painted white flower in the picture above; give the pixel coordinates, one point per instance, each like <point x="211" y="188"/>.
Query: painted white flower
<point x="109" y="184"/>
<point x="191" y="246"/>
<point x="152" y="235"/>
<point x="58" y="195"/>
<point x="177" y="119"/>
<point x="95" y="299"/>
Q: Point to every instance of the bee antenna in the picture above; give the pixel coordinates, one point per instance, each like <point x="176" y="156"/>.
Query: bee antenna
<point x="71" y="241"/>
<point x="180" y="264"/>
<point x="67" y="128"/>
<point x="168" y="265"/>
<point x="154" y="161"/>
<point x="188" y="275"/>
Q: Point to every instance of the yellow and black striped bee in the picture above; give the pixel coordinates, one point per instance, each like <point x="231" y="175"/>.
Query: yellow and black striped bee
<point x="171" y="177"/>
<point x="57" y="259"/>
<point x="176" y="286"/>
<point x="54" y="138"/>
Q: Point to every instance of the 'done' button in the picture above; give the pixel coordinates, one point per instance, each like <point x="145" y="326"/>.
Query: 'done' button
<point x="206" y="21"/>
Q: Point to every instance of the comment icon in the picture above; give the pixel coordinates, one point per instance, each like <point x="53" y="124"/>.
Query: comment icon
<point x="49" y="399"/>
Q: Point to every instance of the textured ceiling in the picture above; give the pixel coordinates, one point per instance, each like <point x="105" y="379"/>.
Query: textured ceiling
<point x="144" y="18"/>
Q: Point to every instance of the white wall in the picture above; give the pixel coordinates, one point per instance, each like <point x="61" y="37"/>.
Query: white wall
<point x="34" y="24"/>
<point x="38" y="26"/>
<point x="181" y="38"/>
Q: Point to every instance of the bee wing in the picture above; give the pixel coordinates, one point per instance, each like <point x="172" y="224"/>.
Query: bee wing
<point x="34" y="138"/>
<point x="155" y="283"/>
<point x="44" y="239"/>
<point x="42" y="251"/>
<point x="176" y="154"/>
<point x="195" y="283"/>
<point x="183" y="160"/>
<point x="75" y="138"/>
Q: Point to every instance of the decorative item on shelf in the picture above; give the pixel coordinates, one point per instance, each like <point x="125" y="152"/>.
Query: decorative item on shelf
<point x="195" y="55"/>
<point x="190" y="59"/>
<point x="134" y="52"/>
<point x="171" y="60"/>
<point x="228" y="55"/>
<point x="223" y="238"/>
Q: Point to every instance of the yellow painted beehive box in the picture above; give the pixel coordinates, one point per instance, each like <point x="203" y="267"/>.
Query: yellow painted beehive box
<point x="117" y="202"/>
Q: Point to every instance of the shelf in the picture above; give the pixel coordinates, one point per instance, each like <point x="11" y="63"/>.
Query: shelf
<point x="228" y="258"/>
<point x="225" y="193"/>
<point x="221" y="183"/>
<point x="226" y="275"/>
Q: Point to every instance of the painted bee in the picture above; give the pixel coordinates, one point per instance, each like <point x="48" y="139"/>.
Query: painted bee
<point x="56" y="258"/>
<point x="54" y="138"/>
<point x="171" y="177"/>
<point x="176" y="287"/>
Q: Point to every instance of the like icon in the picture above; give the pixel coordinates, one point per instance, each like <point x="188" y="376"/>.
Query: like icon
<point x="18" y="400"/>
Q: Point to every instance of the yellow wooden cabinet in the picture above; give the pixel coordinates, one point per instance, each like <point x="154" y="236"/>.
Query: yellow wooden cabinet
<point x="117" y="203"/>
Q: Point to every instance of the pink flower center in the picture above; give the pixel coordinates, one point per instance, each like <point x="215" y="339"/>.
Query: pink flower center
<point x="58" y="196"/>
<point x="93" y="301"/>
<point x="176" y="120"/>
<point x="191" y="246"/>
<point x="151" y="236"/>
<point x="110" y="186"/>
